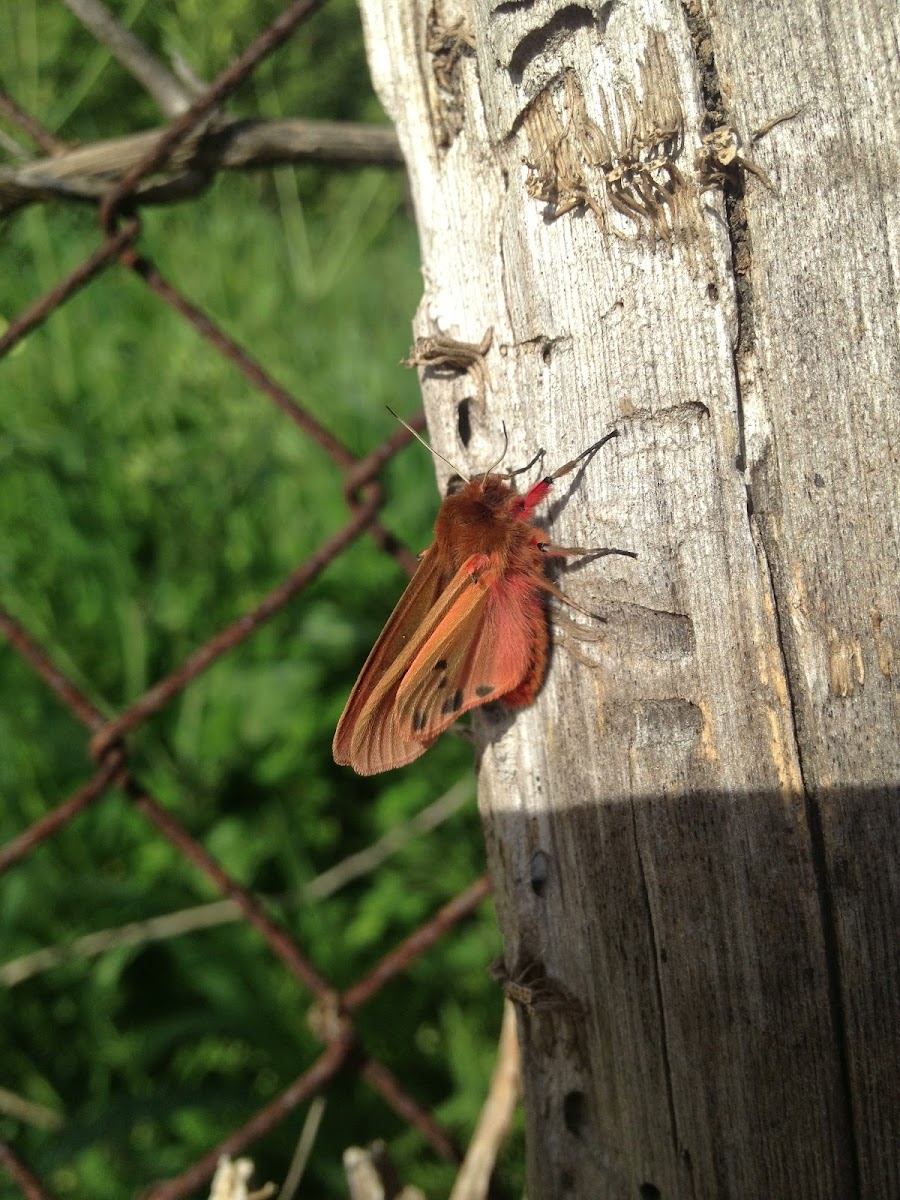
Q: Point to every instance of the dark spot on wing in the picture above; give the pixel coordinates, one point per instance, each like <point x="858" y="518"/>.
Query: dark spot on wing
<point x="440" y="665"/>
<point x="453" y="703"/>
<point x="442" y="682"/>
<point x="483" y="690"/>
<point x="418" y="721"/>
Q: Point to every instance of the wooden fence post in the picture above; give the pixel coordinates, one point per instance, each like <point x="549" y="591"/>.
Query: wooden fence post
<point x="694" y="832"/>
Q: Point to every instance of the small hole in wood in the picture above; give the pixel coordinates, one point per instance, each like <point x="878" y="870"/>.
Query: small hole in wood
<point x="463" y="423"/>
<point x="573" y="1112"/>
<point x="649" y="1191"/>
<point x="540" y="870"/>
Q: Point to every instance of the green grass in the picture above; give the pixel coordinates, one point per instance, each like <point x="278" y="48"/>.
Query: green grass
<point x="148" y="497"/>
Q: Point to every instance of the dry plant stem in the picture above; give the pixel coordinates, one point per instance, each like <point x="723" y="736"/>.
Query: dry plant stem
<point x="371" y="1175"/>
<point x="495" y="1120"/>
<point x="304" y="1148"/>
<point x="29" y="1113"/>
<point x="189" y="125"/>
<point x="231" y="1178"/>
<point x="86" y="174"/>
<point x="25" y="121"/>
<point x="363" y="1179"/>
<point x="222" y="912"/>
<point x="162" y="85"/>
<point x="27" y="1183"/>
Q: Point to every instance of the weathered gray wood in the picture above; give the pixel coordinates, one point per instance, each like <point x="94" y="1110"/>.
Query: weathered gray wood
<point x="692" y="833"/>
<point x="823" y="376"/>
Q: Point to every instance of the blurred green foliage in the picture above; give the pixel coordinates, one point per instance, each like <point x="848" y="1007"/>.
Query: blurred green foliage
<point x="149" y="496"/>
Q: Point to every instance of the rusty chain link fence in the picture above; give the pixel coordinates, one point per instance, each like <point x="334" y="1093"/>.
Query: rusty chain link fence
<point x="197" y="143"/>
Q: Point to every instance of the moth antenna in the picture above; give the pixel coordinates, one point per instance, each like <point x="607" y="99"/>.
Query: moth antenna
<point x="502" y="456"/>
<point x="430" y="449"/>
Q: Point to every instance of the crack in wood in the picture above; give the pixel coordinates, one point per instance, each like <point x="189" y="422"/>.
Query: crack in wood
<point x="819" y="859"/>
<point x="717" y="161"/>
<point x="825" y="893"/>
<point x="657" y="958"/>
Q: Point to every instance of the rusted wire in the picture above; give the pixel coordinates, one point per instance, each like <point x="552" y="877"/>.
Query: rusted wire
<point x="41" y="137"/>
<point x="375" y="1073"/>
<point x="72" y="696"/>
<point x="313" y="1080"/>
<point x="363" y="494"/>
<point x="38" y="312"/>
<point x="404" y="1106"/>
<point x="161" y="693"/>
<point x="61" y="815"/>
<point x="191" y="849"/>
<point x="205" y="105"/>
<point x="358" y="471"/>
<point x="416" y="944"/>
<point x="207" y="328"/>
<point x="28" y="1183"/>
<point x="365" y="469"/>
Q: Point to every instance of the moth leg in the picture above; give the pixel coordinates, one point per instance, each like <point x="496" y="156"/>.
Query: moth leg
<point x="574" y="552"/>
<point x="547" y="586"/>
<point x="589" y="453"/>
<point x="580" y="551"/>
<point x="563" y="551"/>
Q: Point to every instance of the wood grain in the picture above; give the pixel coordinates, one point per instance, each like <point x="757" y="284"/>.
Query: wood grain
<point x="710" y="775"/>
